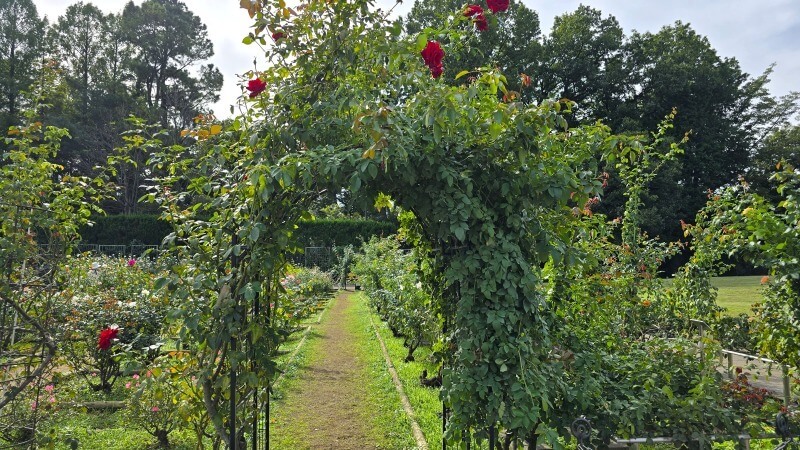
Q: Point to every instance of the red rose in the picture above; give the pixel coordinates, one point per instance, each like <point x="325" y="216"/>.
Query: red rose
<point x="480" y="22"/>
<point x="278" y="35"/>
<point x="496" y="6"/>
<point x="106" y="336"/>
<point x="472" y="10"/>
<point x="256" y="86"/>
<point x="433" y="55"/>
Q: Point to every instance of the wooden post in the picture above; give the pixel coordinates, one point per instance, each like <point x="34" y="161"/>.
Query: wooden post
<point x="730" y="366"/>
<point x="744" y="443"/>
<point x="787" y="390"/>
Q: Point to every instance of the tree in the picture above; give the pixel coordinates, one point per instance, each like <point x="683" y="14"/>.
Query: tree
<point x="717" y="105"/>
<point x="168" y="43"/>
<point x="79" y="37"/>
<point x="583" y="60"/>
<point x="87" y="49"/>
<point x="781" y="145"/>
<point x="20" y="48"/>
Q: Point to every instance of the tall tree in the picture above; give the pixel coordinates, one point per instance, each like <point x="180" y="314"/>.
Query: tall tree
<point x="169" y="43"/>
<point x="716" y="104"/>
<point x="79" y="37"/>
<point x="21" y="31"/>
<point x="781" y="146"/>
<point x="583" y="60"/>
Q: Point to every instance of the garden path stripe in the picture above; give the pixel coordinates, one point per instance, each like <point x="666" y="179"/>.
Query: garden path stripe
<point x="415" y="428"/>
<point x="328" y="408"/>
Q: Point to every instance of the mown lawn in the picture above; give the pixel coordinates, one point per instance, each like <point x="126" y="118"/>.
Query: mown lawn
<point x="738" y="294"/>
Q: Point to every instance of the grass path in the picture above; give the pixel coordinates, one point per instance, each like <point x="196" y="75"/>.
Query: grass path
<point x="337" y="393"/>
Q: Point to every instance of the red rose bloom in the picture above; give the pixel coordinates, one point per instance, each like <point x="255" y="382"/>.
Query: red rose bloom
<point x="496" y="6"/>
<point x="480" y="22"/>
<point x="472" y="10"/>
<point x="278" y="35"/>
<point x="433" y="55"/>
<point x="106" y="336"/>
<point x="256" y="86"/>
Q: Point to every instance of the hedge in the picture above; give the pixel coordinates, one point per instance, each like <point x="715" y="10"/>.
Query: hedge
<point x="341" y="232"/>
<point x="123" y="229"/>
<point x="149" y="230"/>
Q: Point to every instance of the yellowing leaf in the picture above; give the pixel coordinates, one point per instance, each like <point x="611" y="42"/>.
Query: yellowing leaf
<point x="184" y="133"/>
<point x="215" y="129"/>
<point x="250" y="6"/>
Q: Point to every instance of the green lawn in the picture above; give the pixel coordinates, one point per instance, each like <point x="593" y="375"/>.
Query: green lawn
<point x="738" y="294"/>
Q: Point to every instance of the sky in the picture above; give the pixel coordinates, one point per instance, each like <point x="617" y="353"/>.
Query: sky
<point x="756" y="32"/>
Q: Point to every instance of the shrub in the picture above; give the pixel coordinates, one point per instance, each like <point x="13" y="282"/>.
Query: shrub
<point x="103" y="293"/>
<point x="734" y="333"/>
<point x="341" y="232"/>
<point x="389" y="276"/>
<point x="150" y="230"/>
<point x="124" y="229"/>
<point x="157" y="402"/>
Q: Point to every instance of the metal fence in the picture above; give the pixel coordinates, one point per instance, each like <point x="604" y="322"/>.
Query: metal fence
<point x="582" y="430"/>
<point x="136" y="250"/>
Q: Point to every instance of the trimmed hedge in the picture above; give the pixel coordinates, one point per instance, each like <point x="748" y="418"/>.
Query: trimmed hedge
<point x="149" y="230"/>
<point x="341" y="232"/>
<point x="122" y="229"/>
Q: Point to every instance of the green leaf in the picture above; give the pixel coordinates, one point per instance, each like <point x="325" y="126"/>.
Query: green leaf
<point x="254" y="233"/>
<point x="461" y="74"/>
<point x="422" y="41"/>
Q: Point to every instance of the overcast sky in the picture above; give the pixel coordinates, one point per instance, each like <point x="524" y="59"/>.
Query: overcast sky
<point x="756" y="32"/>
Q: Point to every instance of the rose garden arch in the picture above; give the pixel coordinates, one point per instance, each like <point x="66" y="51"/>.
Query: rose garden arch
<point x="348" y="102"/>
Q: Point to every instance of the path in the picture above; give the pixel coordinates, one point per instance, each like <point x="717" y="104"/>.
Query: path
<point x="328" y="403"/>
<point x="760" y="374"/>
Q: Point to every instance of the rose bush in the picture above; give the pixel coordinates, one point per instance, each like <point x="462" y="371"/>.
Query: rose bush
<point x="111" y="314"/>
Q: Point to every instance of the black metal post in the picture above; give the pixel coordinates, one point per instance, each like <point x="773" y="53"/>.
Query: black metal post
<point x="444" y="406"/>
<point x="232" y="440"/>
<point x="256" y="412"/>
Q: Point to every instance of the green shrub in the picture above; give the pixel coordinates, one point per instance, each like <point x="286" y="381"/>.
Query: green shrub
<point x="158" y="401"/>
<point x="341" y="232"/>
<point x="390" y="279"/>
<point x="734" y="333"/>
<point x="147" y="229"/>
<point x="123" y="229"/>
<point x="102" y="292"/>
